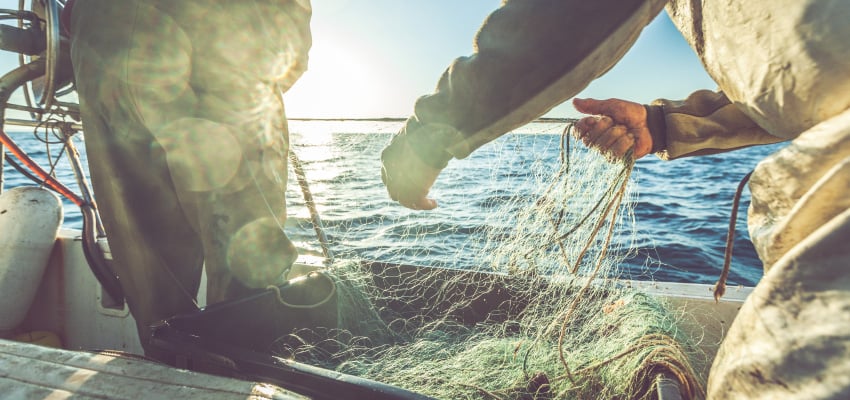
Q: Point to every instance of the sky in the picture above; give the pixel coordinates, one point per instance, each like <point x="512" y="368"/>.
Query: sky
<point x="374" y="58"/>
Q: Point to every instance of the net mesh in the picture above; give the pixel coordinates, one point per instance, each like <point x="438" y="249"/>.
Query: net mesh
<point x="526" y="306"/>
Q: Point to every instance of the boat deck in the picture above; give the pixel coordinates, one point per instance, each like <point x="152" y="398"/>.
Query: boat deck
<point x="29" y="371"/>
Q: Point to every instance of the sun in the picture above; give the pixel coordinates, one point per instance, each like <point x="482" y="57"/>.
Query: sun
<point x="342" y="80"/>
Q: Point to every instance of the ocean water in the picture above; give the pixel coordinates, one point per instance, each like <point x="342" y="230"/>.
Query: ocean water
<point x="681" y="209"/>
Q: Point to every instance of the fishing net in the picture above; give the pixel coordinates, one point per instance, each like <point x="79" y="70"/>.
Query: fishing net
<point x="518" y="302"/>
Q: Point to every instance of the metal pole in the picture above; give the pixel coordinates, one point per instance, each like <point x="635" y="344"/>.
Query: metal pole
<point x="8" y="84"/>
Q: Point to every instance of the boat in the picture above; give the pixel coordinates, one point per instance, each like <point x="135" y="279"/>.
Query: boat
<point x="99" y="342"/>
<point x="74" y="336"/>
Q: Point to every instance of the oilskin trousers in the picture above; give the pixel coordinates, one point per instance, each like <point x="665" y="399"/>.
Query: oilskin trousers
<point x="791" y="339"/>
<point x="187" y="143"/>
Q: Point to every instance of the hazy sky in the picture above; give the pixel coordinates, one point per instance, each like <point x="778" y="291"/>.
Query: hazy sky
<point x="373" y="58"/>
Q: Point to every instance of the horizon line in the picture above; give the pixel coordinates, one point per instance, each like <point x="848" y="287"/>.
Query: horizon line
<point x="398" y="119"/>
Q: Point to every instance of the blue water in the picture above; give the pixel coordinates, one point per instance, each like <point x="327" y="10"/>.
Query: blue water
<point x="682" y="210"/>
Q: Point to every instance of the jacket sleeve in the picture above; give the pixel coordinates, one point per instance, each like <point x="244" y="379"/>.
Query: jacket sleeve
<point x="704" y="123"/>
<point x="529" y="56"/>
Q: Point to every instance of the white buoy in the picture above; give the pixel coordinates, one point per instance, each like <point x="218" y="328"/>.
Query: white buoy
<point x="29" y="221"/>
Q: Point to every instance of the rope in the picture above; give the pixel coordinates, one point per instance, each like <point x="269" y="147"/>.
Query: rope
<point x="308" y="195"/>
<point x="307" y="306"/>
<point x="311" y="205"/>
<point x="720" y="286"/>
<point x="41" y="173"/>
<point x="25" y="172"/>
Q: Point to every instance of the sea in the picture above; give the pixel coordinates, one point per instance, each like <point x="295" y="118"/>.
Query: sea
<point x="681" y="208"/>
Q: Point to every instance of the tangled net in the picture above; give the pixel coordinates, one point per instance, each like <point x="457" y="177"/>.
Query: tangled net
<point x="541" y="317"/>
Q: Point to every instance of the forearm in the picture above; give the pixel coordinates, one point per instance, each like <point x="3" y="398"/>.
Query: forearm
<point x="529" y="57"/>
<point x="704" y="123"/>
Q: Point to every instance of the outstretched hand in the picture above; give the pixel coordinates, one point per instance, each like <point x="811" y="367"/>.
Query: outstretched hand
<point x="407" y="178"/>
<point x="616" y="127"/>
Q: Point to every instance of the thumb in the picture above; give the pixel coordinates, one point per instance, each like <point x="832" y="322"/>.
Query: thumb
<point x="589" y="106"/>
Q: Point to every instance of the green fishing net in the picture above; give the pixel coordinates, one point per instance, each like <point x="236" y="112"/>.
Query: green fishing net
<point x="541" y="316"/>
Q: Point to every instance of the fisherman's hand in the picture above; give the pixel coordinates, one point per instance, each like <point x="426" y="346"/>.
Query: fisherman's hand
<point x="407" y="177"/>
<point x="617" y="127"/>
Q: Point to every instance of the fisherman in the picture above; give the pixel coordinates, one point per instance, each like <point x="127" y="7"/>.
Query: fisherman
<point x="187" y="142"/>
<point x="784" y="74"/>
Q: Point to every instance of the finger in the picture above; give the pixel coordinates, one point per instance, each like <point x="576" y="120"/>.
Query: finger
<point x="583" y="126"/>
<point x="603" y="124"/>
<point x="619" y="148"/>
<point x="426" y="204"/>
<point x="389" y="184"/>
<point x="593" y="126"/>
<point x="412" y="201"/>
<point x="604" y="140"/>
<point x="404" y="195"/>
<point x="421" y="203"/>
<point x="622" y="111"/>
<point x="592" y="106"/>
<point x="643" y="146"/>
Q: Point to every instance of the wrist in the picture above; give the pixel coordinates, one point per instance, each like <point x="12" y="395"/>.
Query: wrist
<point x="657" y="126"/>
<point x="425" y="143"/>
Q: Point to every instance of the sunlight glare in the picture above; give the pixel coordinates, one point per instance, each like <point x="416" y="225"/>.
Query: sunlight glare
<point x="339" y="76"/>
